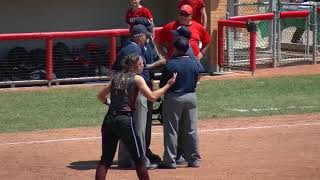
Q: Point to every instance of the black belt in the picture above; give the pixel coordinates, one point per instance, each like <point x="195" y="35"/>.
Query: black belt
<point x="118" y="113"/>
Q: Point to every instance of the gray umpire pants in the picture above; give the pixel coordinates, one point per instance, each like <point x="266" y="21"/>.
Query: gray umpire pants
<point x="180" y="120"/>
<point x="140" y="120"/>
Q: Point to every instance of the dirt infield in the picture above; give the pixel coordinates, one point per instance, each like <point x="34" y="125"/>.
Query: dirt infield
<point x="264" y="148"/>
<point x="270" y="72"/>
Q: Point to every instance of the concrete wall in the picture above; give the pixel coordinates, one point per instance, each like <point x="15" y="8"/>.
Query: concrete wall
<point x="22" y="16"/>
<point x="70" y="15"/>
<point x="18" y="16"/>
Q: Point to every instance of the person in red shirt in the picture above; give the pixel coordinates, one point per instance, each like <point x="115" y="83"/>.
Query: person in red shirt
<point x="199" y="13"/>
<point x="164" y="37"/>
<point x="137" y="10"/>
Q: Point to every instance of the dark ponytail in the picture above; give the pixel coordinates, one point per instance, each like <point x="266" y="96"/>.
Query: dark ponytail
<point x="120" y="80"/>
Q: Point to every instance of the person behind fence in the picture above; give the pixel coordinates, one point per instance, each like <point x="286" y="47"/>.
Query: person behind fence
<point x="164" y="38"/>
<point x="199" y="13"/>
<point x="180" y="108"/>
<point x="297" y="35"/>
<point x="138" y="44"/>
<point x="118" y="123"/>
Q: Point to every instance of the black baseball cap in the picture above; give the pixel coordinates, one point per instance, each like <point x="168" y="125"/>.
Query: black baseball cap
<point x="139" y="29"/>
<point x="182" y="44"/>
<point x="182" y="31"/>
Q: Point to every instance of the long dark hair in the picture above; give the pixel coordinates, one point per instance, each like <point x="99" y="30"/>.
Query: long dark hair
<point x="120" y="80"/>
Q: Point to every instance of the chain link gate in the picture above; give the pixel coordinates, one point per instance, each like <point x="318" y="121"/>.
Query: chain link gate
<point x="290" y="38"/>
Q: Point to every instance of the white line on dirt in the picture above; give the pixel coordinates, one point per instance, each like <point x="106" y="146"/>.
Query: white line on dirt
<point x="201" y="131"/>
<point x="273" y="109"/>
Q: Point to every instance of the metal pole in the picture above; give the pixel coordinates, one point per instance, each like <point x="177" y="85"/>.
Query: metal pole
<point x="230" y="36"/>
<point x="307" y="47"/>
<point x="273" y="34"/>
<point x="230" y="44"/>
<point x="49" y="60"/>
<point x="253" y="51"/>
<point x="315" y="32"/>
<point x="274" y="41"/>
<point x="279" y="36"/>
<point x="113" y="52"/>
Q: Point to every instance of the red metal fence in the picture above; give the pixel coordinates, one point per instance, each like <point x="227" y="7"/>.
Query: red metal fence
<point x="241" y="22"/>
<point x="50" y="54"/>
<point x="236" y="24"/>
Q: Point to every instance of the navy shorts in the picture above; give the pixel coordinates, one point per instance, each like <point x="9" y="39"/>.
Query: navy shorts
<point x="114" y="128"/>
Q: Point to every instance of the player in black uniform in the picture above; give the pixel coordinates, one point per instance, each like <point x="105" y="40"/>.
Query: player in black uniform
<point x="118" y="123"/>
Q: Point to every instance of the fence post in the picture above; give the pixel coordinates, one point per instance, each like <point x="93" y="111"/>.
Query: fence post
<point x="279" y="35"/>
<point x="253" y="51"/>
<point x="252" y="28"/>
<point x="273" y="7"/>
<point x="49" y="60"/>
<point x="220" y="47"/>
<point x="113" y="52"/>
<point x="315" y="32"/>
<point x="307" y="47"/>
<point x="229" y="42"/>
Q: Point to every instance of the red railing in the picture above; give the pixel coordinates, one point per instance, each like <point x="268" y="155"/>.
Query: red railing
<point x="270" y="16"/>
<point x="237" y="24"/>
<point x="50" y="36"/>
<point x="240" y="22"/>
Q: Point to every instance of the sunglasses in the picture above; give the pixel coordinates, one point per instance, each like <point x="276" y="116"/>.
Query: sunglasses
<point x="184" y="14"/>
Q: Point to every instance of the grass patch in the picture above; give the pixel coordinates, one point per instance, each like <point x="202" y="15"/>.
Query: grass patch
<point x="51" y="109"/>
<point x="259" y="97"/>
<point x="78" y="107"/>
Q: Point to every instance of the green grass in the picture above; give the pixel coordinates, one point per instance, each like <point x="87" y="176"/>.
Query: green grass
<point x="78" y="107"/>
<point x="54" y="108"/>
<point x="259" y="97"/>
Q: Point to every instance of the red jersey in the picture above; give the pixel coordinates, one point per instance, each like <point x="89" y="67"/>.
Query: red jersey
<point x="198" y="33"/>
<point x="196" y="5"/>
<point x="140" y="12"/>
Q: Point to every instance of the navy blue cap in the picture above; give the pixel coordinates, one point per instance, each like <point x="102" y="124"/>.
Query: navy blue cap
<point x="139" y="29"/>
<point x="182" y="31"/>
<point x="181" y="44"/>
<point x="144" y="21"/>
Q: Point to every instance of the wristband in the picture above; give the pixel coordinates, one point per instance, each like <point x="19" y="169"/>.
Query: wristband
<point x="107" y="102"/>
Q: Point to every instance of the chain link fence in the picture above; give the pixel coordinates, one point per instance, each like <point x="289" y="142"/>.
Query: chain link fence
<point x="20" y="63"/>
<point x="238" y="40"/>
<point x="281" y="41"/>
<point x="74" y="60"/>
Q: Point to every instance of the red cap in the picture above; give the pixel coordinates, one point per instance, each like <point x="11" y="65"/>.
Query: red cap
<point x="186" y="8"/>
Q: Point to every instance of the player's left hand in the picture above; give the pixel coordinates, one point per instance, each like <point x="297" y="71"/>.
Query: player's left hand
<point x="173" y="79"/>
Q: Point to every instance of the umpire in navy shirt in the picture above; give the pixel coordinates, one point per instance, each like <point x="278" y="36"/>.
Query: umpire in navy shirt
<point x="138" y="45"/>
<point x="180" y="107"/>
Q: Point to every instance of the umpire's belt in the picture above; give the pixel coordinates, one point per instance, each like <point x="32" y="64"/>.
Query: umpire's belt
<point x="118" y="113"/>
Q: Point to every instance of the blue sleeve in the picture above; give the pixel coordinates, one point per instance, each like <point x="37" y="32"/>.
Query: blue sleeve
<point x="199" y="65"/>
<point x="117" y="64"/>
<point x="151" y="55"/>
<point x="190" y="53"/>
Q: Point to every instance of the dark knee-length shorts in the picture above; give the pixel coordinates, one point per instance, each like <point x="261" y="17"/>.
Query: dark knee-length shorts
<point x="114" y="128"/>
